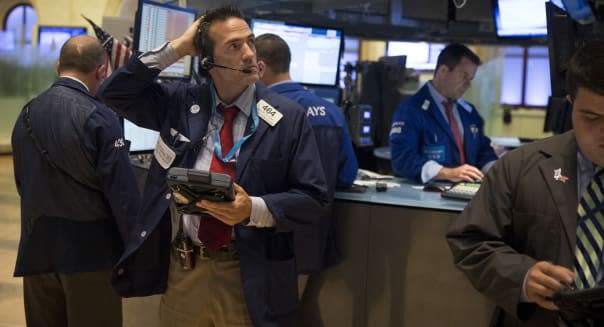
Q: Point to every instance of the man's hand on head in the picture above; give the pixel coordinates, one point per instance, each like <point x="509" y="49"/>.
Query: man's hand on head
<point x="185" y="44"/>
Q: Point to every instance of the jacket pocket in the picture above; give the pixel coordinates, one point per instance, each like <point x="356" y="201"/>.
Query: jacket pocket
<point x="273" y="175"/>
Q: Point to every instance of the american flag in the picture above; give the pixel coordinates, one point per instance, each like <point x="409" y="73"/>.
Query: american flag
<point x="118" y="53"/>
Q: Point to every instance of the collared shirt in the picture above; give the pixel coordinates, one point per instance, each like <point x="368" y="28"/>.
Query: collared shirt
<point x="281" y="82"/>
<point x="260" y="216"/>
<point x="77" y="80"/>
<point x="438" y="100"/>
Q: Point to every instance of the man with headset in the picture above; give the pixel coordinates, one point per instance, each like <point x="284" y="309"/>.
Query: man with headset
<point x="279" y="187"/>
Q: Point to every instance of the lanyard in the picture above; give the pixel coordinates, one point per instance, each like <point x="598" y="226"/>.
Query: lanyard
<point x="217" y="146"/>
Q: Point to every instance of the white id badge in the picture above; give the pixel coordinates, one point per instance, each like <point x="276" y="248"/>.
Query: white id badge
<point x="163" y="154"/>
<point x="269" y="114"/>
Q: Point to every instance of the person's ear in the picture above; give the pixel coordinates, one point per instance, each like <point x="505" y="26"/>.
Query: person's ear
<point x="101" y="72"/>
<point x="444" y="69"/>
<point x="569" y="98"/>
<point x="58" y="68"/>
<point x="261" y="68"/>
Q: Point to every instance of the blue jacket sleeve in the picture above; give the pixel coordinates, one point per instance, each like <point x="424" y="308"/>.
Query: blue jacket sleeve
<point x="132" y="92"/>
<point x="106" y="145"/>
<point x="405" y="138"/>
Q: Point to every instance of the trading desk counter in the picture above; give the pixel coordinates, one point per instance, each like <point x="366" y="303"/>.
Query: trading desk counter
<point x="396" y="267"/>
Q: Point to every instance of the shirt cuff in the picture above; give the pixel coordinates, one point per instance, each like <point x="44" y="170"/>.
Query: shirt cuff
<point x="523" y="296"/>
<point x="161" y="57"/>
<point x="260" y="217"/>
<point x="429" y="170"/>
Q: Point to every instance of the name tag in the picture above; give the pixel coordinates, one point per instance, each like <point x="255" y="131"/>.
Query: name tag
<point x="163" y="154"/>
<point x="434" y="152"/>
<point x="269" y="114"/>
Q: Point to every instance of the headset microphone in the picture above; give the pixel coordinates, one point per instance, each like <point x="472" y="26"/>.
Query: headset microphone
<point x="206" y="64"/>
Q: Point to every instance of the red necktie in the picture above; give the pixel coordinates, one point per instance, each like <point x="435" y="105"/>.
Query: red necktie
<point x="455" y="130"/>
<point x="212" y="232"/>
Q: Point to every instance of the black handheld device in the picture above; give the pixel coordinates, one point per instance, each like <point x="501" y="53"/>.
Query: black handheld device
<point x="191" y="185"/>
<point x="578" y="304"/>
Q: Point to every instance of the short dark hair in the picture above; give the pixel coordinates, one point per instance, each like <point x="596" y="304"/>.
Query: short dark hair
<point x="274" y="51"/>
<point x="452" y="54"/>
<point x="204" y="42"/>
<point x="586" y="69"/>
<point x="81" y="54"/>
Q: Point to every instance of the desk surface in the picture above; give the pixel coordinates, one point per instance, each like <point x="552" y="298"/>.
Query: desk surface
<point x="407" y="195"/>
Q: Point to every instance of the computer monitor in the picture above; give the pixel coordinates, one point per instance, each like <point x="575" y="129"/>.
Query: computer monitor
<point x="316" y="51"/>
<point x="520" y="18"/>
<point x="142" y="140"/>
<point x="51" y="38"/>
<point x="328" y="93"/>
<point x="157" y="23"/>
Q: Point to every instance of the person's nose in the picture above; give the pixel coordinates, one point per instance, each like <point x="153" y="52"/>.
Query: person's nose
<point x="248" y="52"/>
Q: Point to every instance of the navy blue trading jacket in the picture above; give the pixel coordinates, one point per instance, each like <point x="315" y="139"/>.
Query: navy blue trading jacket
<point x="74" y="218"/>
<point x="420" y="133"/>
<point x="277" y="163"/>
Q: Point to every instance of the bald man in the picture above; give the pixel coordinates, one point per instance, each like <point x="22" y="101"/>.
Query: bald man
<point x="77" y="191"/>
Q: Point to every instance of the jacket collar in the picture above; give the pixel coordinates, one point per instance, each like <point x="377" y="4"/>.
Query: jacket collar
<point x="561" y="155"/>
<point x="428" y="103"/>
<point x="286" y="86"/>
<point x="72" y="84"/>
<point x="249" y="147"/>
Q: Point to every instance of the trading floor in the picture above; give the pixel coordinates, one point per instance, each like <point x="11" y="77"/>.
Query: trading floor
<point x="11" y="294"/>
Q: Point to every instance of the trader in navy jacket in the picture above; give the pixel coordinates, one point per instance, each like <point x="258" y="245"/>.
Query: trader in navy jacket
<point x="317" y="250"/>
<point x="78" y="195"/>
<point x="422" y="141"/>
<point x="280" y="183"/>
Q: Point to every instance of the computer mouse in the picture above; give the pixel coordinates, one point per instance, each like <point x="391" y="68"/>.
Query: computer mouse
<point x="432" y="187"/>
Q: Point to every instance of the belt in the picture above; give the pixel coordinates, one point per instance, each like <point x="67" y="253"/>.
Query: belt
<point x="226" y="253"/>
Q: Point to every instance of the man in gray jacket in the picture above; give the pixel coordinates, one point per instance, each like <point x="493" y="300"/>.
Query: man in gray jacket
<point x="531" y="229"/>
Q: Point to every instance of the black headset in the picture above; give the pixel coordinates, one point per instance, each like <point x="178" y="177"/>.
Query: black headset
<point x="202" y="32"/>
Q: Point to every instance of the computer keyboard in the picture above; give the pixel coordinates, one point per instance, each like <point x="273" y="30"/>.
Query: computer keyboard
<point x="463" y="191"/>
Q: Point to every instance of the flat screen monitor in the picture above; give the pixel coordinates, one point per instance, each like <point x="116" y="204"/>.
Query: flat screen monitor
<point x="520" y="18"/>
<point x="157" y="23"/>
<point x="142" y="140"/>
<point x="328" y="93"/>
<point x="316" y="51"/>
<point x="51" y="38"/>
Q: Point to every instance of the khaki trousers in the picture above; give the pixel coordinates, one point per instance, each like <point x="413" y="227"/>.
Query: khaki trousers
<point x="210" y="295"/>
<point x="74" y="300"/>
